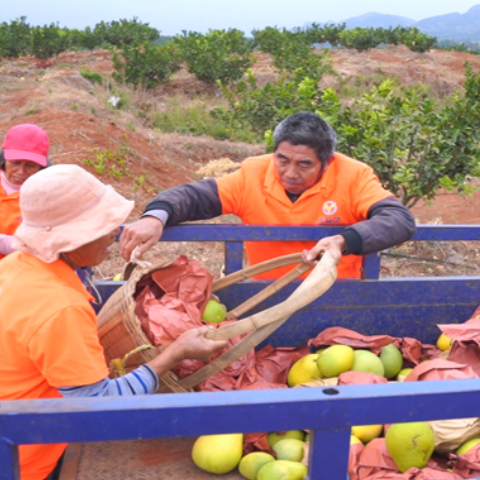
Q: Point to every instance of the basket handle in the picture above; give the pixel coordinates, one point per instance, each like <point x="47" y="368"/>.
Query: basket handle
<point x="318" y="282"/>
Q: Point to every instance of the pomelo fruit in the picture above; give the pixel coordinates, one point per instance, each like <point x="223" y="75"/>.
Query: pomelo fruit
<point x="214" y="312"/>
<point x="282" y="470"/>
<point x="444" y="342"/>
<point x="218" y="453"/>
<point x="410" y="444"/>
<point x="365" y="433"/>
<point x="251" y="463"/>
<point x="368" y="362"/>
<point x="466" y="446"/>
<point x="392" y="360"/>
<point x="117" y="277"/>
<point x="335" y="360"/>
<point x="274" y="437"/>
<point x="403" y="374"/>
<point x="354" y="440"/>
<point x="289" y="449"/>
<point x="304" y="370"/>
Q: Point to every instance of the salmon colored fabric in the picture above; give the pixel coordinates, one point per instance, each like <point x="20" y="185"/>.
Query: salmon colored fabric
<point x="48" y="339"/>
<point x="343" y="196"/>
<point x="10" y="216"/>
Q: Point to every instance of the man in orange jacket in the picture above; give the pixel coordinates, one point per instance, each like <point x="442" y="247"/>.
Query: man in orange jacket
<point x="304" y="182"/>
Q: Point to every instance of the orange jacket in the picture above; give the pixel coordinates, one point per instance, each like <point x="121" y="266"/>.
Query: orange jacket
<point x="47" y="342"/>
<point x="343" y="196"/>
<point x="10" y="216"/>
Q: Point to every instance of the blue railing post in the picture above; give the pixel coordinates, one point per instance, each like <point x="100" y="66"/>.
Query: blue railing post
<point x="233" y="257"/>
<point x="9" y="469"/>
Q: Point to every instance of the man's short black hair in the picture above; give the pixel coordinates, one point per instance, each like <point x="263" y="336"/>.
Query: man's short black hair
<point x="307" y="128"/>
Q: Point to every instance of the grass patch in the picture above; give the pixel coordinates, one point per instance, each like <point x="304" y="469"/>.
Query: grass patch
<point x="195" y="119"/>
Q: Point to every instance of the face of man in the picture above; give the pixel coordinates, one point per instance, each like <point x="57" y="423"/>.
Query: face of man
<point x="297" y="167"/>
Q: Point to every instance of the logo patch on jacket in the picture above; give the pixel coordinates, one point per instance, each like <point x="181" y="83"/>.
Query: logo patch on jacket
<point x="329" y="207"/>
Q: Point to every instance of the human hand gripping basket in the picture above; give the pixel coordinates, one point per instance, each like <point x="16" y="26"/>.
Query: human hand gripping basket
<point x="126" y="344"/>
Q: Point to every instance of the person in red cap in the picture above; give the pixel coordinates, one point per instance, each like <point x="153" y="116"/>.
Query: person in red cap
<point x="24" y="152"/>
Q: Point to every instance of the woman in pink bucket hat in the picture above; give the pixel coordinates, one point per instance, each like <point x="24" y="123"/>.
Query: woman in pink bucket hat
<point x="24" y="152"/>
<point x="49" y="346"/>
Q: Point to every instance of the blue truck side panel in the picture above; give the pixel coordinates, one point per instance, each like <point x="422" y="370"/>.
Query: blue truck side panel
<point x="398" y="307"/>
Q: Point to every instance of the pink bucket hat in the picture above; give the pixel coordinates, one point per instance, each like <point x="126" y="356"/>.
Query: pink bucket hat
<point x="63" y="208"/>
<point x="26" y="142"/>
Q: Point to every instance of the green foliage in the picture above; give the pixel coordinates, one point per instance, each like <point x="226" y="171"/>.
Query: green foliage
<point x="360" y="38"/>
<point x="93" y="77"/>
<point x="145" y="65"/>
<point x="415" y="147"/>
<point x="15" y="38"/>
<point x="125" y="32"/>
<point x="218" y="55"/>
<point x="328" y="33"/>
<point x="48" y="41"/>
<point x="193" y="119"/>
<point x="110" y="163"/>
<point x="260" y="108"/>
<point x="416" y="41"/>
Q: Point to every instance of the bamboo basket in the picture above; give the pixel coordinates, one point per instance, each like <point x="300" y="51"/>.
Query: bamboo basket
<point x="126" y="346"/>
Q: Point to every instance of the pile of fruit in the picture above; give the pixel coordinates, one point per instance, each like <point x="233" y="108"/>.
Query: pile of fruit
<point x="403" y="447"/>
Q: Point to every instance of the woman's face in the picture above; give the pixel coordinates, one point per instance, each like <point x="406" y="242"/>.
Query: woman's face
<point x="19" y="170"/>
<point x="93" y="253"/>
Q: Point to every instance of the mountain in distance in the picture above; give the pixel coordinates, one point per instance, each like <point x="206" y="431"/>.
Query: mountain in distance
<point x="451" y="26"/>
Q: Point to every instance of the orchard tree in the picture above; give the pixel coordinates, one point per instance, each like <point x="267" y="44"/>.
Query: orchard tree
<point x="48" y="41"/>
<point x="15" y="38"/>
<point x="217" y="56"/>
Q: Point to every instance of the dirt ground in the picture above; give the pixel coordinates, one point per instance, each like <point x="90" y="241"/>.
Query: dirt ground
<point x="123" y="150"/>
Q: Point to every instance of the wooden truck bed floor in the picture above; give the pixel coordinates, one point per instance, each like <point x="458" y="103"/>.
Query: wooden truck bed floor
<point x="135" y="460"/>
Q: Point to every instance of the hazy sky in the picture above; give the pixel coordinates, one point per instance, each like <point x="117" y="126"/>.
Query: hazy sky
<point x="200" y="15"/>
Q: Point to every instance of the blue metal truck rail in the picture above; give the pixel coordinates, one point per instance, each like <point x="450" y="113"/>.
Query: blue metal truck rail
<point x="395" y="306"/>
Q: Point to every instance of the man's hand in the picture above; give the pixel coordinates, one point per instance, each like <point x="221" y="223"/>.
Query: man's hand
<point x="143" y="233"/>
<point x="335" y="245"/>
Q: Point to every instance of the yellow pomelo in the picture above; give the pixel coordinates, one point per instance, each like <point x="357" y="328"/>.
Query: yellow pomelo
<point x="304" y="370"/>
<point x="403" y="374"/>
<point x="354" y="440"/>
<point x="251" y="463"/>
<point x="214" y="312"/>
<point x="274" y="437"/>
<point x="368" y="362"/>
<point x="117" y="277"/>
<point x="410" y="444"/>
<point x="444" y="342"/>
<point x="335" y="360"/>
<point x="289" y="449"/>
<point x="392" y="360"/>
<point x="465" y="447"/>
<point x="218" y="453"/>
<point x="365" y="433"/>
<point x="282" y="470"/>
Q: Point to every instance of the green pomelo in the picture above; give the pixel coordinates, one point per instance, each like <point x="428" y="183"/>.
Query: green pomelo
<point x="251" y="463"/>
<point x="282" y="470"/>
<point x="466" y="446"/>
<point x="392" y="360"/>
<point x="274" y="437"/>
<point x="368" y="362"/>
<point x="218" y="453"/>
<point x="304" y="370"/>
<point x="335" y="360"/>
<point x="410" y="444"/>
<point x="403" y="374"/>
<point x="214" y="312"/>
<point x="289" y="449"/>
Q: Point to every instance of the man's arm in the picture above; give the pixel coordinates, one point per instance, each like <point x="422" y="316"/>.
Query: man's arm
<point x="388" y="223"/>
<point x="192" y="201"/>
<point x="188" y="202"/>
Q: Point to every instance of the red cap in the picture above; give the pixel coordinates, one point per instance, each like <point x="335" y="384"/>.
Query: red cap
<point x="26" y="142"/>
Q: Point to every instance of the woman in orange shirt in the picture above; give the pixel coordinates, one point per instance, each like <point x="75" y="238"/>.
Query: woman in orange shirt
<point x="24" y="152"/>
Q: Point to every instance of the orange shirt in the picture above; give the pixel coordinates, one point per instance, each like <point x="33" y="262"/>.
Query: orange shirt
<point x="10" y="216"/>
<point x="48" y="339"/>
<point x="343" y="196"/>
